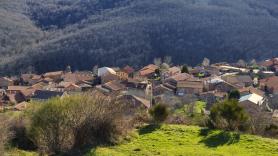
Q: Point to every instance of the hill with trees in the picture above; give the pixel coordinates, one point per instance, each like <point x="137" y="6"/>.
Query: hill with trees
<point x="52" y="34"/>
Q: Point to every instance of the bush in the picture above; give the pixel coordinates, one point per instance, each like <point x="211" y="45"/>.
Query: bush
<point x="184" y="69"/>
<point x="20" y="138"/>
<point x="271" y="131"/>
<point x="234" y="94"/>
<point x="159" y="113"/>
<point x="259" y="120"/>
<point x="228" y="115"/>
<point x="50" y="127"/>
<point x="4" y="133"/>
<point x="62" y="125"/>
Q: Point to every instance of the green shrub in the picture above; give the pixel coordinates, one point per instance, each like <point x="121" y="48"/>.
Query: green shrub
<point x="228" y="115"/>
<point x="159" y="113"/>
<point x="62" y="125"/>
<point x="184" y="69"/>
<point x="234" y="94"/>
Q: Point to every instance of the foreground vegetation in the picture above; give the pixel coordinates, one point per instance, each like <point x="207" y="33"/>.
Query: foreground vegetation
<point x="190" y="140"/>
<point x="64" y="126"/>
<point x="93" y="124"/>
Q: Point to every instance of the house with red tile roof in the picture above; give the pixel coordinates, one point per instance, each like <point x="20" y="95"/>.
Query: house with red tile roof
<point x="56" y="75"/>
<point x="171" y="72"/>
<point x="189" y="87"/>
<point x="114" y="86"/>
<point x="30" y="79"/>
<point x="239" y="80"/>
<point x="172" y="81"/>
<point x="16" y="89"/>
<point x="77" y="77"/>
<point x="250" y="90"/>
<point x="148" y="71"/>
<point x="21" y="106"/>
<point x="270" y="84"/>
<point x="269" y="63"/>
<point x="129" y="70"/>
<point x="135" y="101"/>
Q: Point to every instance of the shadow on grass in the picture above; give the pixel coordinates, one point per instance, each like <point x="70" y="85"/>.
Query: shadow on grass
<point x="149" y="129"/>
<point x="88" y="150"/>
<point x="204" y="131"/>
<point x="220" y="138"/>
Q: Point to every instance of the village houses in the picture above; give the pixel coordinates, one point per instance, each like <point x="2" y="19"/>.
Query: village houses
<point x="209" y="83"/>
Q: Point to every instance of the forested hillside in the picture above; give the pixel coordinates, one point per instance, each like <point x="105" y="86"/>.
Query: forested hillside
<point x="50" y="34"/>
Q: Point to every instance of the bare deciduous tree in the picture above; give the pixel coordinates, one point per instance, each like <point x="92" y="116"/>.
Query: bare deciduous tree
<point x="167" y="60"/>
<point x="241" y="63"/>
<point x="206" y="62"/>
<point x="157" y="61"/>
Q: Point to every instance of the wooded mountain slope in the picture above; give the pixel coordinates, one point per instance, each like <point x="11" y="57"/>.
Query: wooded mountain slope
<point x="51" y="34"/>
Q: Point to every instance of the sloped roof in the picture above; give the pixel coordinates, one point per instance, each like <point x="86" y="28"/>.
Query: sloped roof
<point x="28" y="92"/>
<point x="114" y="85"/>
<point x="21" y="106"/>
<point x="36" y="77"/>
<point x="174" y="69"/>
<point x="106" y="70"/>
<point x="244" y="78"/>
<point x="17" y="88"/>
<point x="229" y="84"/>
<point x="128" y="69"/>
<point x="6" y="78"/>
<point x="55" y="73"/>
<point x="190" y="84"/>
<point x="39" y="85"/>
<point x="271" y="82"/>
<point x="146" y="72"/>
<point x="254" y="98"/>
<point x="48" y="79"/>
<point x="233" y="79"/>
<point x="180" y="77"/>
<point x="251" y="90"/>
<point x="84" y="85"/>
<point x="145" y="102"/>
<point x="149" y="69"/>
<point x="27" y="77"/>
<point x="269" y="62"/>
<point x="78" y="76"/>
<point x="68" y="84"/>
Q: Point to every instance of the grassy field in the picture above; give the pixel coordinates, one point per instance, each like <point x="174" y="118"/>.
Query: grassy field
<point x="178" y="140"/>
<point x="17" y="152"/>
<point x="199" y="106"/>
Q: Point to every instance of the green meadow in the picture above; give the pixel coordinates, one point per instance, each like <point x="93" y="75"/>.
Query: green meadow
<point x="177" y="140"/>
